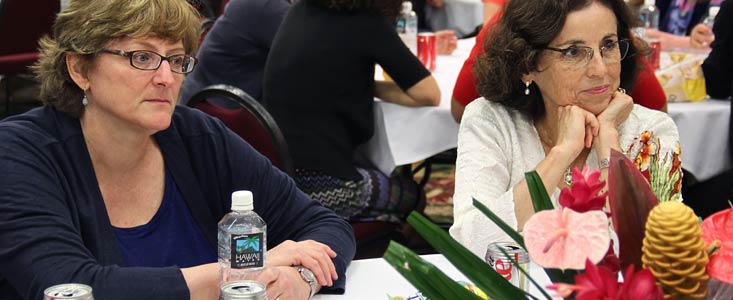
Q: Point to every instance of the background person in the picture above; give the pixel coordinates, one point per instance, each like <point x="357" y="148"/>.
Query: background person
<point x="322" y="97"/>
<point x="549" y="81"/>
<point x="114" y="186"/>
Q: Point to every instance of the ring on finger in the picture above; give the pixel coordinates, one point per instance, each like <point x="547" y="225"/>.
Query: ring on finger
<point x="622" y="90"/>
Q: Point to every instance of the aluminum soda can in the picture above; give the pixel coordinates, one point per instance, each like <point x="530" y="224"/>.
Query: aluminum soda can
<point x="426" y="49"/>
<point x="655" y="51"/>
<point x="503" y="265"/>
<point x="243" y="290"/>
<point x="75" y="291"/>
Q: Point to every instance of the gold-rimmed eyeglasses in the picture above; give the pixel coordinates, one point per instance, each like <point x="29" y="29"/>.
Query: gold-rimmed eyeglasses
<point x="577" y="57"/>
<point x="149" y="60"/>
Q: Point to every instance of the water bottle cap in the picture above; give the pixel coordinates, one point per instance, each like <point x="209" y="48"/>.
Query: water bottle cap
<point x="406" y="7"/>
<point x="242" y="201"/>
<point x="649" y="2"/>
<point x="713" y="11"/>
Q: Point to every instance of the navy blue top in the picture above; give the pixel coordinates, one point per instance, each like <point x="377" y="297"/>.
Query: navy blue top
<point x="54" y="226"/>
<point x="172" y="227"/>
<point x="235" y="49"/>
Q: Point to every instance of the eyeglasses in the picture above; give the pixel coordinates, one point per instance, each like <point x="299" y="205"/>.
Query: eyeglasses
<point x="577" y="57"/>
<point x="149" y="60"/>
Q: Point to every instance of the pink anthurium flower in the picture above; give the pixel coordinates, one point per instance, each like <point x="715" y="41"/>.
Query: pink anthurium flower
<point x="584" y="195"/>
<point x="564" y="239"/>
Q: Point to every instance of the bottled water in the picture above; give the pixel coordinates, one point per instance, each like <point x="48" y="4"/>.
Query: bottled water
<point x="649" y="19"/>
<point x="407" y="26"/>
<point x="712" y="13"/>
<point x="649" y="15"/>
<point x="242" y="240"/>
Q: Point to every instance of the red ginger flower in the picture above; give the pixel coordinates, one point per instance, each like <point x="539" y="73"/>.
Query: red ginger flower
<point x="599" y="283"/>
<point x="583" y="195"/>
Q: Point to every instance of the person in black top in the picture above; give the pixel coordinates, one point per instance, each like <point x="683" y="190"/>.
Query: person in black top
<point x="235" y="50"/>
<point x="718" y="67"/>
<point x="319" y="86"/>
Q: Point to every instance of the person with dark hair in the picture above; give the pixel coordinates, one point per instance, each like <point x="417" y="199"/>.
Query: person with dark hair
<point x="320" y="88"/>
<point x="553" y="81"/>
<point x="113" y="185"/>
<point x="680" y="23"/>
<point x="647" y="91"/>
<point x="236" y="48"/>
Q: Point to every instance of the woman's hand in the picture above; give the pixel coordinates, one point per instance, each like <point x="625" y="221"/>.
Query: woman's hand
<point x="701" y="36"/>
<point x="575" y="129"/>
<point x="310" y="254"/>
<point x="617" y="111"/>
<point x="283" y="283"/>
<point x="445" y="42"/>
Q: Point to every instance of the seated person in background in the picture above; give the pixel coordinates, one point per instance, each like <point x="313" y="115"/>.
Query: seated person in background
<point x="112" y="185"/>
<point x="646" y="92"/>
<point x="235" y="49"/>
<point x="320" y="88"/>
<point x="718" y="67"/>
<point x="679" y="20"/>
<point x="552" y="82"/>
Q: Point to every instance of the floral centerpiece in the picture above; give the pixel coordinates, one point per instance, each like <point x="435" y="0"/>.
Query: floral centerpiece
<point x="661" y="247"/>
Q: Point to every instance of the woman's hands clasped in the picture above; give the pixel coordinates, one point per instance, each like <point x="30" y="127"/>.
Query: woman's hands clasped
<point x="283" y="281"/>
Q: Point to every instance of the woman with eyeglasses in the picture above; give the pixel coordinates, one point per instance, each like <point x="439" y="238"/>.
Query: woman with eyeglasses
<point x="112" y="185"/>
<point x="553" y="81"/>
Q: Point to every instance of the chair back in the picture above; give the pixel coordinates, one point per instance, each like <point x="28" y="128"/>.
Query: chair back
<point x="22" y="24"/>
<point x="251" y="122"/>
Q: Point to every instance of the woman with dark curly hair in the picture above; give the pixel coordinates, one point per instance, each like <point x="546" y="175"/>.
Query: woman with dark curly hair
<point x="319" y="86"/>
<point x="553" y="80"/>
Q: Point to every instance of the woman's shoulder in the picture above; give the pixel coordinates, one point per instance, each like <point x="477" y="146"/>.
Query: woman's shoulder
<point x="40" y="126"/>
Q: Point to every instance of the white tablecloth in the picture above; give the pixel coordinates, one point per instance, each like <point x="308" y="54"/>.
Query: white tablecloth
<point x="703" y="128"/>
<point x="462" y="16"/>
<point x="404" y="135"/>
<point x="374" y="279"/>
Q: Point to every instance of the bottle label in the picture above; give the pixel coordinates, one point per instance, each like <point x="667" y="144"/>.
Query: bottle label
<point x="401" y="26"/>
<point x="247" y="250"/>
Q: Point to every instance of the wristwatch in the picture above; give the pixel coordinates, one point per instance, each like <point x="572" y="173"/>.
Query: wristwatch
<point x="308" y="276"/>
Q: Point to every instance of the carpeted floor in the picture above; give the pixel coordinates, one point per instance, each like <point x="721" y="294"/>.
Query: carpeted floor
<point x="439" y="193"/>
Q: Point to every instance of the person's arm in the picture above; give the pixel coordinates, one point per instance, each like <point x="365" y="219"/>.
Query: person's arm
<point x="490" y="9"/>
<point x="648" y="92"/>
<point x="667" y="40"/>
<point x="412" y="84"/>
<point x="423" y="93"/>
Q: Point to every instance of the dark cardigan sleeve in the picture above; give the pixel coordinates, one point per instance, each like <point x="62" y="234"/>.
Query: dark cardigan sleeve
<point x="45" y="227"/>
<point x="718" y="67"/>
<point x="289" y="213"/>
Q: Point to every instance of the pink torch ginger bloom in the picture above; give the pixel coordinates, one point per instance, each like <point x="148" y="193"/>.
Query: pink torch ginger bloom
<point x="584" y="195"/>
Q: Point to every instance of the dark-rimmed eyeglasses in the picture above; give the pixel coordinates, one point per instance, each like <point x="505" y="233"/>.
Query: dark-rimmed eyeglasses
<point x="149" y="60"/>
<point x="577" y="57"/>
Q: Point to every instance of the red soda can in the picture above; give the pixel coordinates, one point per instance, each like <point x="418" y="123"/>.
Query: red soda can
<point x="655" y="51"/>
<point x="426" y="49"/>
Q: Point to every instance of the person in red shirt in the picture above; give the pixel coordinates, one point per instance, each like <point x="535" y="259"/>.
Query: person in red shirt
<point x="648" y="92"/>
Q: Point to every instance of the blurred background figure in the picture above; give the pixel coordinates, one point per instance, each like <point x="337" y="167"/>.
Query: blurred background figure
<point x="319" y="86"/>
<point x="680" y="23"/>
<point x="235" y="50"/>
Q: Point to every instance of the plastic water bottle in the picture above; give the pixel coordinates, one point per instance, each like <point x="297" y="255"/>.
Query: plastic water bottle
<point x="242" y="240"/>
<point x="649" y="15"/>
<point x="712" y="13"/>
<point x="407" y="26"/>
<point x="649" y="19"/>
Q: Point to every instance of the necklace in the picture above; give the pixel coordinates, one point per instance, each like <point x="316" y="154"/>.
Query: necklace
<point x="567" y="177"/>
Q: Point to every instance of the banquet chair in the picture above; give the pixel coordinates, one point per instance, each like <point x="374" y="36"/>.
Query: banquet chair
<point x="22" y="24"/>
<point x="251" y="122"/>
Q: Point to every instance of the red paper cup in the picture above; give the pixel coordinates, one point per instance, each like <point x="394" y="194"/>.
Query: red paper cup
<point x="426" y="49"/>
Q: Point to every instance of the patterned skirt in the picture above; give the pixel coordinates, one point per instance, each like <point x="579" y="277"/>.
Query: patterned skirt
<point x="375" y="197"/>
